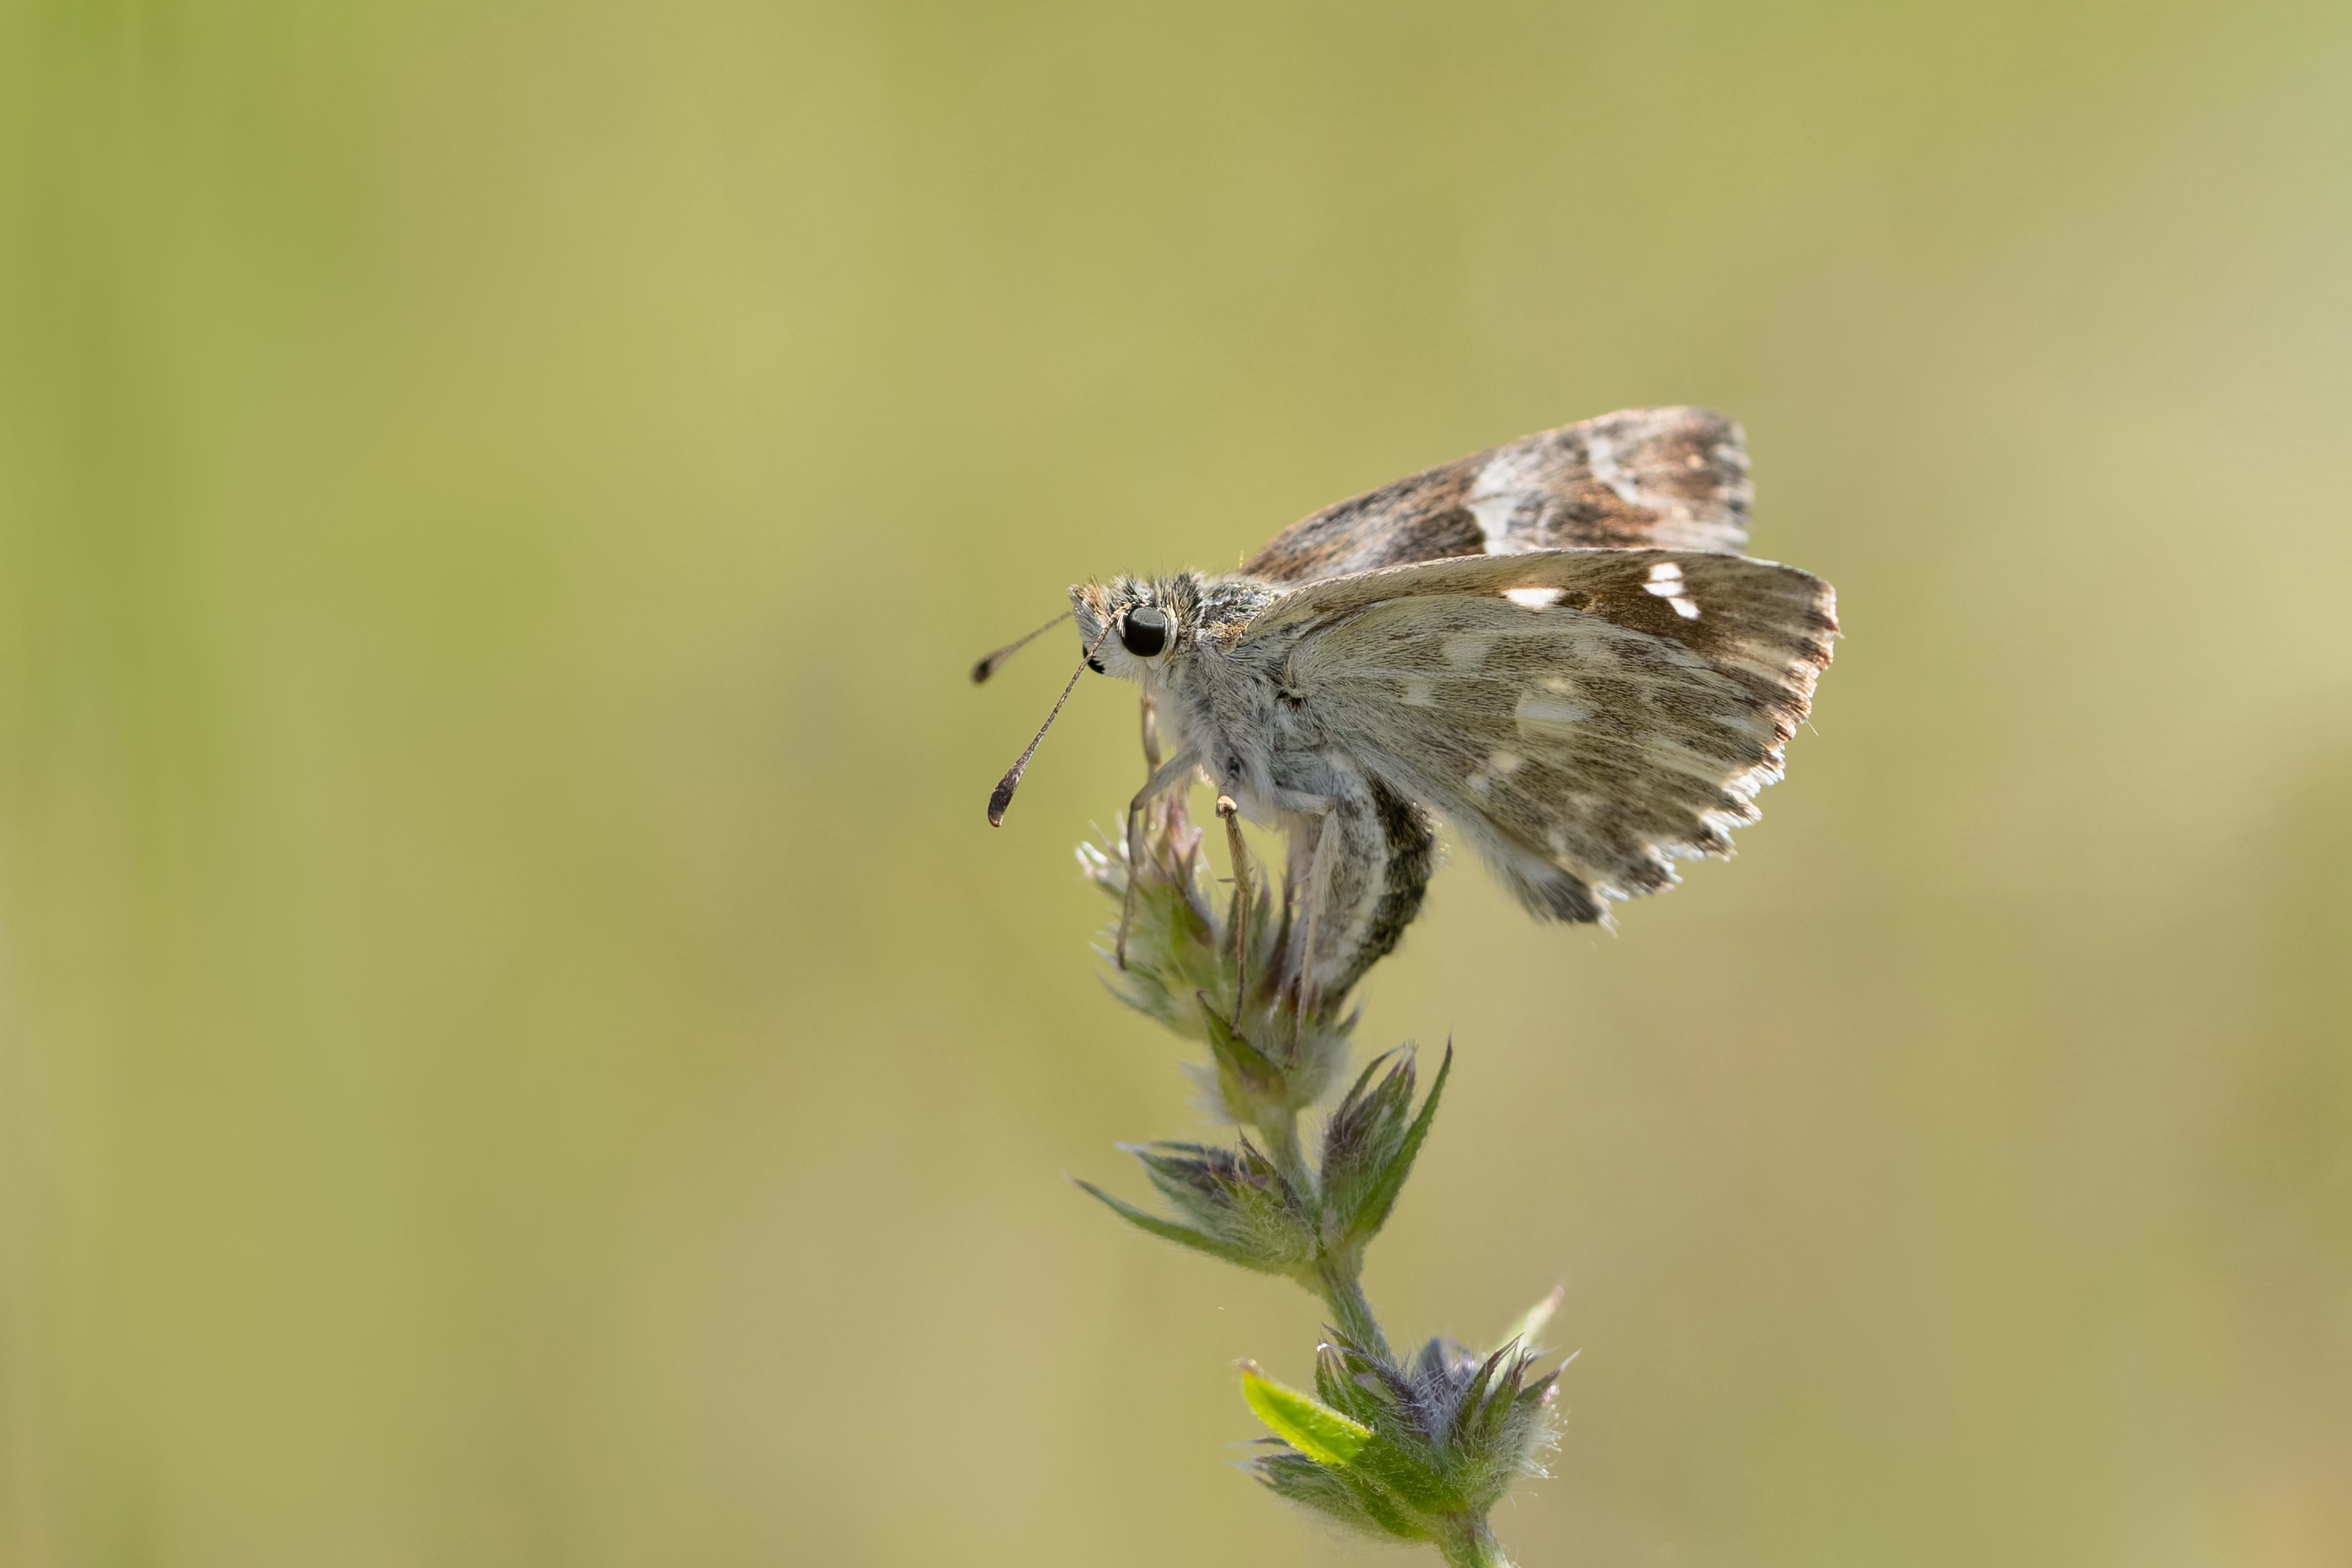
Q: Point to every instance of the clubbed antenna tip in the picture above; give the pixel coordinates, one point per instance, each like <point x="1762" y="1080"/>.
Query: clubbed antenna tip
<point x="1002" y="796"/>
<point x="987" y="665"/>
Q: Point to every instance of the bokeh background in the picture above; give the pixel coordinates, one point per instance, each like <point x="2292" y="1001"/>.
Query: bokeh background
<point x="517" y="1046"/>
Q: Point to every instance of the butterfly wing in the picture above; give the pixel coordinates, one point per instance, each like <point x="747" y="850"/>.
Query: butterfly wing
<point x="1673" y="479"/>
<point x="1584" y="718"/>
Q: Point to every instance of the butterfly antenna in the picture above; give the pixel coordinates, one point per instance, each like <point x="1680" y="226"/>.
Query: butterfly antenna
<point x="1002" y="797"/>
<point x="987" y="667"/>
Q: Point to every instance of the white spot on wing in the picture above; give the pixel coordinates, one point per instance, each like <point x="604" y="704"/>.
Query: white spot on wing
<point x="1666" y="582"/>
<point x="1500" y="765"/>
<point x="1467" y="650"/>
<point x="1496" y="494"/>
<point x="1601" y="453"/>
<point x="1419" y="694"/>
<point x="1543" y="711"/>
<point x="1535" y="598"/>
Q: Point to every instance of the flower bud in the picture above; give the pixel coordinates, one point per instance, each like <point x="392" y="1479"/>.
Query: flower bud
<point x="1181" y="963"/>
<point x="1369" y="1147"/>
<point x="1234" y="1204"/>
<point x="1420" y="1452"/>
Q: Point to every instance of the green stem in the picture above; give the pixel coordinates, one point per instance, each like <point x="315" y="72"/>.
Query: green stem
<point x="1350" y="1313"/>
<point x="1281" y="1136"/>
<point x="1339" y="1277"/>
<point x="1468" y="1543"/>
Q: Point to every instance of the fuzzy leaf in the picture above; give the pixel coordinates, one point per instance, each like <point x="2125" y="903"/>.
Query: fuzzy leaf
<point x="1237" y="1198"/>
<point x="1257" y="1076"/>
<point x="1342" y="1443"/>
<point x="1467" y="1413"/>
<point x="1352" y="1498"/>
<point x="1374" y="1212"/>
<point x="1335" y="1386"/>
<point x="1184" y="1235"/>
<point x="1361" y="1139"/>
<point x="1303" y="1422"/>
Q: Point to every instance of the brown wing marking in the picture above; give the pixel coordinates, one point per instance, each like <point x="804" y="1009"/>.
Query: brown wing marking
<point x="1672" y="478"/>
<point x="1584" y="743"/>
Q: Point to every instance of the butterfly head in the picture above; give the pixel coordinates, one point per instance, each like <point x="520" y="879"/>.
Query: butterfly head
<point x="1150" y="621"/>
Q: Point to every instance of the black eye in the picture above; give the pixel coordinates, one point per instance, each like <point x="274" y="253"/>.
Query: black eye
<point x="1144" y="631"/>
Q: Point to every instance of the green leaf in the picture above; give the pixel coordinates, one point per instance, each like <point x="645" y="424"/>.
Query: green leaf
<point x="1361" y="1139"/>
<point x="1168" y="1230"/>
<point x="1333" y="1439"/>
<point x="1335" y="1386"/>
<point x="1303" y="1422"/>
<point x="1239" y="1058"/>
<point x="1374" y="1213"/>
<point x="1467" y="1414"/>
<point x="1352" y="1498"/>
<point x="1363" y="1079"/>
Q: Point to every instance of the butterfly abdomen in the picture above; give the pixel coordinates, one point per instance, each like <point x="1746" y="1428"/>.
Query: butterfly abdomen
<point x="1411" y="837"/>
<point x="1367" y="859"/>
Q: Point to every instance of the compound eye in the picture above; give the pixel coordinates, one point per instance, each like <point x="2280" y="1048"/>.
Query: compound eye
<point x="1143" y="630"/>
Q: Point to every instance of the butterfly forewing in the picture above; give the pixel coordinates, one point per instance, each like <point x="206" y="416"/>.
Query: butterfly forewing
<point x="1673" y="479"/>
<point x="1585" y="717"/>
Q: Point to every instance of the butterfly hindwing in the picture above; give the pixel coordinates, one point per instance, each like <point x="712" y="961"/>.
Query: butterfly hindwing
<point x="1674" y="478"/>
<point x="1584" y="718"/>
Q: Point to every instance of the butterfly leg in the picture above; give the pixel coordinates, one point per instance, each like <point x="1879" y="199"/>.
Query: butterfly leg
<point x="1315" y="875"/>
<point x="1166" y="776"/>
<point x="1239" y="853"/>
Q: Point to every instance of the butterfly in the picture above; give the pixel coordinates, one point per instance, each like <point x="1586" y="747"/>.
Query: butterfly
<point x="1556" y="645"/>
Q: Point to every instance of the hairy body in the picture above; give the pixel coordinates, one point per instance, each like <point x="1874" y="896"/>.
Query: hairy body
<point x="1554" y="645"/>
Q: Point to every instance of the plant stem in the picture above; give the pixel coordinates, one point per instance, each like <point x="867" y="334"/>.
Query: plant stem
<point x="1468" y="1543"/>
<point x="1351" y="1312"/>
<point x="1342" y="1286"/>
<point x="1281" y="1135"/>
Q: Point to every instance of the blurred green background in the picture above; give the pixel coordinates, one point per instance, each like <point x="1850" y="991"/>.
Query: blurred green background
<point x="517" y="1046"/>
